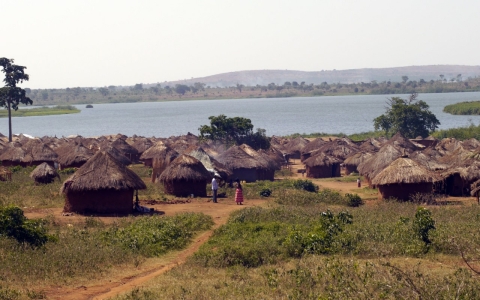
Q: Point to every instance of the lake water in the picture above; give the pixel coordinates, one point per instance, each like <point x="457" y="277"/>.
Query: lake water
<point x="279" y="116"/>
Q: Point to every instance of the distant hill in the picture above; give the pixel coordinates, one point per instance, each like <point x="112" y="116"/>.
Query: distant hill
<point x="264" y="77"/>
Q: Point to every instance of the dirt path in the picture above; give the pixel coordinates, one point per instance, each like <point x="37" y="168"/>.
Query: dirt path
<point x="130" y="279"/>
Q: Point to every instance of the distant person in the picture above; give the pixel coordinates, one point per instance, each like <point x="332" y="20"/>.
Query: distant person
<point x="359" y="182"/>
<point x="238" y="192"/>
<point x="214" y="188"/>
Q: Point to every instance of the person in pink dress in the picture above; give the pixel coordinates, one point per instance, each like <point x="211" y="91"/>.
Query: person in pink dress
<point x="238" y="192"/>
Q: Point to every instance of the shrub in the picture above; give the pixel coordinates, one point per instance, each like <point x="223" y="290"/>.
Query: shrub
<point x="423" y="223"/>
<point x="15" y="225"/>
<point x="67" y="171"/>
<point x="306" y="185"/>
<point x="353" y="200"/>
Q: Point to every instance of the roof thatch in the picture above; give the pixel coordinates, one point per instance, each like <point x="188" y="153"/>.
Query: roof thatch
<point x="320" y="160"/>
<point x="379" y="161"/>
<point x="185" y="168"/>
<point x="103" y="172"/>
<point x="142" y="144"/>
<point x="401" y="142"/>
<point x="296" y="145"/>
<point x="313" y="145"/>
<point x="211" y="164"/>
<point x="236" y="158"/>
<point x="39" y="151"/>
<point x="357" y="158"/>
<point x="124" y="148"/>
<point x="71" y="154"/>
<point x="339" y="148"/>
<point x="404" y="170"/>
<point x="448" y="145"/>
<point x="475" y="188"/>
<point x="429" y="158"/>
<point x="158" y="149"/>
<point x="43" y="171"/>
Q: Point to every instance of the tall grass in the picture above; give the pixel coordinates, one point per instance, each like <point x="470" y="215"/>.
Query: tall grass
<point x="42" y="111"/>
<point x="463" y="108"/>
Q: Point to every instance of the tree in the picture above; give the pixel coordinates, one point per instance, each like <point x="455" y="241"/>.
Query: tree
<point x="181" y="89"/>
<point x="11" y="95"/>
<point x="404" y="79"/>
<point x="410" y="117"/>
<point x="138" y="87"/>
<point x="104" y="91"/>
<point x="240" y="87"/>
<point x="231" y="131"/>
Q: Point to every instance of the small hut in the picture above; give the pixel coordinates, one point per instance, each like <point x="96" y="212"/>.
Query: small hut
<point x="351" y="163"/>
<point x="294" y="148"/>
<point x="44" y="174"/>
<point x="211" y="164"/>
<point x="102" y="185"/>
<point x="242" y="165"/>
<point x="402" y="178"/>
<point x="322" y="166"/>
<point x="185" y="176"/>
<point x="73" y="155"/>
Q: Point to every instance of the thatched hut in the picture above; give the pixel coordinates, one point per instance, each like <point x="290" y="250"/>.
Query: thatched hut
<point x="126" y="150"/>
<point x="312" y="146"/>
<point x="102" y="185"/>
<point x="339" y="148"/>
<point x="158" y="149"/>
<point x="142" y="144"/>
<point x="31" y="153"/>
<point x="268" y="165"/>
<point x="294" y="148"/>
<point x="322" y="166"/>
<point x="403" y="178"/>
<point x="72" y="155"/>
<point x="185" y="176"/>
<point x="351" y="163"/>
<point x="242" y="165"/>
<point x="211" y="164"/>
<point x="44" y="174"/>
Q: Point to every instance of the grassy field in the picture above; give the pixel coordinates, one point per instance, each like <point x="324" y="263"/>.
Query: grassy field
<point x="463" y="108"/>
<point x="304" y="243"/>
<point x="41" y="111"/>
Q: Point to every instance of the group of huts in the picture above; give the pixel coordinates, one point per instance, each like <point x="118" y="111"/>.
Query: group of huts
<point x="103" y="183"/>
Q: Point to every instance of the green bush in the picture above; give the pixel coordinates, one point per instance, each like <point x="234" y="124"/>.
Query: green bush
<point x="353" y="200"/>
<point x="67" y="171"/>
<point x="422" y="224"/>
<point x="15" y="225"/>
<point x="305" y="185"/>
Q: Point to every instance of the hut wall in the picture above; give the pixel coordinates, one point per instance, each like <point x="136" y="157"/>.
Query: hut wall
<point x="247" y="175"/>
<point x="183" y="188"/>
<point x="295" y="155"/>
<point x="350" y="169"/>
<point x="101" y="201"/>
<point x="455" y="186"/>
<point x="323" y="171"/>
<point x="147" y="162"/>
<point x="403" y="191"/>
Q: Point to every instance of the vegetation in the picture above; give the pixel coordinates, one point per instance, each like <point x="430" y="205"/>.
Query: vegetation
<point x="234" y="131"/>
<point x="463" y="108"/>
<point x="409" y="117"/>
<point x="460" y="133"/>
<point x="42" y="111"/>
<point x="157" y="92"/>
<point x="11" y="95"/>
<point x="311" y="252"/>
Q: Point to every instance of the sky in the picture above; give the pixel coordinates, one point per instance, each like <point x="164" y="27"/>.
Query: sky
<point x="99" y="43"/>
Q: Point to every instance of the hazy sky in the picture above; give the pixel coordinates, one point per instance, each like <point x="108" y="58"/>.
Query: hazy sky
<point x="72" y="43"/>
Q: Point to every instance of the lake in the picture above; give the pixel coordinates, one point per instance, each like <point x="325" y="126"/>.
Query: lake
<point x="279" y="116"/>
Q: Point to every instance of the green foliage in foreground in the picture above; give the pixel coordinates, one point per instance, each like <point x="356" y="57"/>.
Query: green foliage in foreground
<point x="14" y="224"/>
<point x="42" y="111"/>
<point x="463" y="108"/>
<point x="153" y="236"/>
<point x="259" y="236"/>
<point x="83" y="250"/>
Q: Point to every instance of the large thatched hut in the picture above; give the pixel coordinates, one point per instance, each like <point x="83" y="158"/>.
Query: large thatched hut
<point x="403" y="178"/>
<point x="322" y="166"/>
<point x="294" y="148"/>
<point x="185" y="176"/>
<point x="210" y="163"/>
<point x="351" y="163"/>
<point x="31" y="153"/>
<point x="126" y="150"/>
<point x="269" y="166"/>
<point x="102" y="185"/>
<point x="44" y="174"/>
<point x="242" y="165"/>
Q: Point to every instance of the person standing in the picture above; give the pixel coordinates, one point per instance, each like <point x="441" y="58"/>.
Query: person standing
<point x="214" y="188"/>
<point x="238" y="192"/>
<point x="359" y="182"/>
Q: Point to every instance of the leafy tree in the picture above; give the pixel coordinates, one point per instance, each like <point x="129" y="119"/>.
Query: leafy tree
<point x="138" y="87"/>
<point x="199" y="86"/>
<point x="104" y="91"/>
<point x="240" y="87"/>
<point x="181" y="89"/>
<point x="236" y="130"/>
<point x="404" y="79"/>
<point x="410" y="117"/>
<point x="11" y="95"/>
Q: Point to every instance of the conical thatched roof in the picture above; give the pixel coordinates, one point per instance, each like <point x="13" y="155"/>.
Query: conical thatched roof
<point x="71" y="154"/>
<point x="158" y="149"/>
<point x="429" y="159"/>
<point x="313" y="145"/>
<point x="185" y="168"/>
<point x="103" y="172"/>
<point x="338" y="148"/>
<point x="471" y="144"/>
<point x="43" y="172"/>
<point x="357" y="158"/>
<point x="124" y="148"/>
<point x="370" y="145"/>
<point x="401" y="142"/>
<point x="211" y="164"/>
<point x="117" y="155"/>
<point x="296" y="145"/>
<point x="236" y="158"/>
<point x="404" y="170"/>
<point x="379" y="161"/>
<point x="448" y="145"/>
<point x="320" y="160"/>
<point x="142" y="144"/>
<point x="39" y="151"/>
<point x="15" y="153"/>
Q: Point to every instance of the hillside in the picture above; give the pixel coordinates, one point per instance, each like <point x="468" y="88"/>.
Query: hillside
<point x="264" y="77"/>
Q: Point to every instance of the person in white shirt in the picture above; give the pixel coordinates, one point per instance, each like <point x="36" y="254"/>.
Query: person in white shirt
<point x="215" y="188"/>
